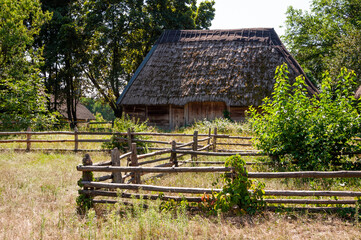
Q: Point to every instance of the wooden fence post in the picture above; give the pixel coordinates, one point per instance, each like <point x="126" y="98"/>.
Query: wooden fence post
<point x="134" y="162"/>
<point x="117" y="176"/>
<point x="87" y="175"/>
<point x="173" y="155"/>
<point x="195" y="145"/>
<point x="28" y="138"/>
<point x="129" y="136"/>
<point x="209" y="138"/>
<point x="76" y="143"/>
<point x="215" y="140"/>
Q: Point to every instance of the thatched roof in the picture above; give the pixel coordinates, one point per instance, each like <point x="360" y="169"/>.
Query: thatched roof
<point x="233" y="66"/>
<point x="82" y="112"/>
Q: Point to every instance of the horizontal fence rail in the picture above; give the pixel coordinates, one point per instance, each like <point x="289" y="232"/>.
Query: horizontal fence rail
<point x="208" y="140"/>
<point x="136" y="171"/>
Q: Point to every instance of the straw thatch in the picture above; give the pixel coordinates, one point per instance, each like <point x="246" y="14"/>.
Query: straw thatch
<point x="82" y="112"/>
<point x="236" y="67"/>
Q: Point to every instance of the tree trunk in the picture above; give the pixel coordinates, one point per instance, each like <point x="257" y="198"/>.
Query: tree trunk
<point x="118" y="111"/>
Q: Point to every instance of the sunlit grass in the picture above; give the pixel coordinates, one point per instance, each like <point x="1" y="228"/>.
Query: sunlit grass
<point x="38" y="192"/>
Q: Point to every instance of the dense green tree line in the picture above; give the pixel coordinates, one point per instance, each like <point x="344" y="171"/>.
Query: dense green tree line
<point x="94" y="45"/>
<point x="55" y="51"/>
<point x="22" y="92"/>
<point x="328" y="37"/>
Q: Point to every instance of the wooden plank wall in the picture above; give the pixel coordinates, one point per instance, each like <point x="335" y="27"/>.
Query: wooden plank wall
<point x="136" y="111"/>
<point x="159" y="115"/>
<point x="156" y="115"/>
<point x="238" y="113"/>
<point x="177" y="116"/>
<point x="172" y="116"/>
<point x="205" y="110"/>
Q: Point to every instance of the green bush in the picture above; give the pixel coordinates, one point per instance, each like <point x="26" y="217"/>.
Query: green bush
<point x="239" y="194"/>
<point x="310" y="132"/>
<point x="122" y="125"/>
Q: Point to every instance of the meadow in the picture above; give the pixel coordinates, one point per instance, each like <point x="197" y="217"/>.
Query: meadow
<point x="38" y="193"/>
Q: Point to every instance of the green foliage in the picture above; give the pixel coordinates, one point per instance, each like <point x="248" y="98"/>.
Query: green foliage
<point x="310" y="132"/>
<point x="326" y="38"/>
<point x="97" y="106"/>
<point x="22" y="94"/>
<point x="84" y="202"/>
<point x="239" y="194"/>
<point x="122" y="125"/>
<point x="227" y="115"/>
<point x="119" y="34"/>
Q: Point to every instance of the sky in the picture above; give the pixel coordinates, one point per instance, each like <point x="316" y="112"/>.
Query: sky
<point x="235" y="14"/>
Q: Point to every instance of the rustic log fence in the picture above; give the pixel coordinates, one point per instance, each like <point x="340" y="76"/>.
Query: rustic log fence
<point x="200" y="141"/>
<point x="136" y="171"/>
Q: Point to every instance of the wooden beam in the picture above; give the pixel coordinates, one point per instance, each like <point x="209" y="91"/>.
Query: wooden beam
<point x="150" y="188"/>
<point x="152" y="169"/>
<point x="306" y="174"/>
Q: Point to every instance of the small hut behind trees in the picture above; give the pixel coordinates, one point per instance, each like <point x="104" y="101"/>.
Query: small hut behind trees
<point x="199" y="74"/>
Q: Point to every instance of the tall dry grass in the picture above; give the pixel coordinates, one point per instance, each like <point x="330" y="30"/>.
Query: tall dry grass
<point x="37" y="201"/>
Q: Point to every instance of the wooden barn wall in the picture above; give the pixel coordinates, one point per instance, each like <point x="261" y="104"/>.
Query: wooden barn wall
<point x="177" y="116"/>
<point x="172" y="116"/>
<point x="204" y="110"/>
<point x="158" y="115"/>
<point x="136" y="112"/>
<point x="238" y="113"/>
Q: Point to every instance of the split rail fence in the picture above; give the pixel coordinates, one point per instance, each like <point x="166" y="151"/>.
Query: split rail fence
<point x="213" y="140"/>
<point x="130" y="179"/>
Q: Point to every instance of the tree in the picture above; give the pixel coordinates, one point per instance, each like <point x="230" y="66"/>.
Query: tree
<point x="97" y="106"/>
<point x="309" y="132"/>
<point x="22" y="93"/>
<point x="317" y="38"/>
<point x="120" y="33"/>
<point x="63" y="48"/>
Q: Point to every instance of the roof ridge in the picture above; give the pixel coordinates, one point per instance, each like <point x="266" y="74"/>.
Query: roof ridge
<point x="255" y="34"/>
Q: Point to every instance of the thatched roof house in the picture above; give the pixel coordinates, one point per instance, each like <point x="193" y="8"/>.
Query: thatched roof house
<point x="197" y="74"/>
<point x="82" y="112"/>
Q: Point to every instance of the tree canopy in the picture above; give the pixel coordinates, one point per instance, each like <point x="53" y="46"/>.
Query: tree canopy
<point x="94" y="46"/>
<point x="326" y="38"/>
<point x="22" y="93"/>
<point x="118" y="35"/>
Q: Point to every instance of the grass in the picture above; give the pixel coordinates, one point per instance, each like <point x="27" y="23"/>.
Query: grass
<point x="38" y="192"/>
<point x="37" y="201"/>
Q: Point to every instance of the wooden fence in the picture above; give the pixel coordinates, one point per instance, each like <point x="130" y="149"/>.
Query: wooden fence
<point x="201" y="140"/>
<point x="129" y="178"/>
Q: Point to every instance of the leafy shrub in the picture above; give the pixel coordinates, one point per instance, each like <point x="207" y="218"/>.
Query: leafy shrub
<point x="121" y="125"/>
<point x="239" y="194"/>
<point x="310" y="132"/>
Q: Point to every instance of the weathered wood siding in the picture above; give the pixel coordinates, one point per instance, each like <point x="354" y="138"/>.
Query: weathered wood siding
<point x="238" y="113"/>
<point x="156" y="115"/>
<point x="177" y="116"/>
<point x="159" y="115"/>
<point x="136" y="111"/>
<point x="204" y="110"/>
<point x="173" y="116"/>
